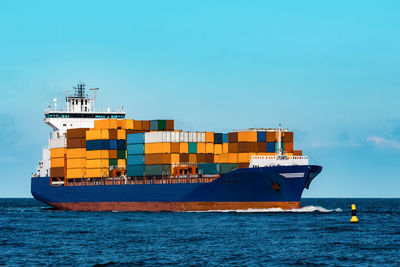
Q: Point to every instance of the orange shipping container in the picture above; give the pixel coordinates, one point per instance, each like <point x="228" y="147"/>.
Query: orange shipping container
<point x="58" y="152"/>
<point x="217" y="149"/>
<point x="76" y="173"/>
<point x="233" y="147"/>
<point x="175" y="158"/>
<point x="57" y="162"/>
<point x="97" y="173"/>
<point x="175" y="148"/>
<point x="97" y="134"/>
<point x="225" y="148"/>
<point x="157" y="159"/>
<point x="122" y="163"/>
<point x="201" y="148"/>
<point x="297" y="152"/>
<point x="97" y="163"/>
<point x="250" y="136"/>
<point x="209" y="137"/>
<point x="232" y="158"/>
<point x="157" y="148"/>
<point x="183" y="148"/>
<point x="121" y="134"/>
<point x="113" y="154"/>
<point x="76" y="163"/>
<point x="106" y="124"/>
<point x="97" y="154"/>
<point x="245" y="157"/>
<point x="224" y="158"/>
<point x="271" y="137"/>
<point x="217" y="158"/>
<point x="76" y="153"/>
<point x="288" y="147"/>
<point x="193" y="158"/>
<point x="209" y="148"/>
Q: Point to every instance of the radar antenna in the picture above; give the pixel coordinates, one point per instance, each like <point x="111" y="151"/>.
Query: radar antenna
<point x="80" y="90"/>
<point x="94" y="97"/>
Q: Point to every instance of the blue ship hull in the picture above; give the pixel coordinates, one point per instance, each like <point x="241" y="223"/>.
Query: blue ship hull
<point x="266" y="187"/>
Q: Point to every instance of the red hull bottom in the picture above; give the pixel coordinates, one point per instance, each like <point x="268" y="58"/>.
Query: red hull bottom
<point x="171" y="206"/>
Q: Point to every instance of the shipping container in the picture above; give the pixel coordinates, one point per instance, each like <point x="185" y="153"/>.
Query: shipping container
<point x="183" y="148"/>
<point x="125" y="124"/>
<point x="97" y="163"/>
<point x="209" y="158"/>
<point x="193" y="158"/>
<point x="233" y="137"/>
<point x="97" y="173"/>
<point x="58" y="152"/>
<point x="225" y="148"/>
<point x="135" y="170"/>
<point x="201" y="158"/>
<point x="270" y="147"/>
<point x="287" y="137"/>
<point x="76" y="153"/>
<point x="232" y="157"/>
<point x="245" y="157"/>
<point x="57" y="172"/>
<point x="76" y="163"/>
<point x="261" y="147"/>
<point x="175" y="148"/>
<point x="201" y="148"/>
<point x="223" y="158"/>
<point x="74" y="173"/>
<point x="209" y="137"/>
<point x="98" y="145"/>
<point x="156" y="125"/>
<point x="175" y="158"/>
<point x="76" y="143"/>
<point x="106" y="124"/>
<point x="121" y="164"/>
<point x="157" y="170"/>
<point x="224" y="138"/>
<point x="261" y="137"/>
<point x="157" y="148"/>
<point x="183" y="157"/>
<point x="184" y="137"/>
<point x="146" y="125"/>
<point x="270" y="137"/>
<point x="113" y="154"/>
<point x="248" y="147"/>
<point x="210" y="148"/>
<point x="137" y="138"/>
<point x="135" y="160"/>
<point x="248" y="136"/>
<point x="137" y="125"/>
<point x="97" y="134"/>
<point x="175" y="137"/>
<point x="134" y="149"/>
<point x="77" y="133"/>
<point x="201" y="137"/>
<point x="97" y="154"/>
<point x="157" y="159"/>
<point x="121" y="134"/>
<point x="218" y="149"/>
<point x="233" y="147"/>
<point x="217" y="138"/>
<point x="169" y="125"/>
<point x="121" y="154"/>
<point x="192" y="148"/>
<point x="282" y="146"/>
<point x="297" y="152"/>
<point x="227" y="167"/>
<point x="288" y="147"/>
<point x="243" y="165"/>
<point x="208" y="168"/>
<point x="113" y="163"/>
<point x="57" y="162"/>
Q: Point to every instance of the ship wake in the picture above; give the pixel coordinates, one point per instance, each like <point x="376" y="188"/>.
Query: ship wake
<point x="306" y="209"/>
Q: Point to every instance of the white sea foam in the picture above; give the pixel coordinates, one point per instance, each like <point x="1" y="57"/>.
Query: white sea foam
<point x="301" y="210"/>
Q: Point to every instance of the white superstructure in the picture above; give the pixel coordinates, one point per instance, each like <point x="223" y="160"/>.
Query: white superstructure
<point x="79" y="112"/>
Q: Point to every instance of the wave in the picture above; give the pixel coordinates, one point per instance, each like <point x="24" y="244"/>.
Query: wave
<point x="305" y="209"/>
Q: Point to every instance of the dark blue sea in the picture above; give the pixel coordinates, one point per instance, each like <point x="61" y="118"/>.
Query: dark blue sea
<point x="32" y="234"/>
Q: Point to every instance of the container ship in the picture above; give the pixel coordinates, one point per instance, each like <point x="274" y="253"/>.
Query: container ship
<point x="102" y="161"/>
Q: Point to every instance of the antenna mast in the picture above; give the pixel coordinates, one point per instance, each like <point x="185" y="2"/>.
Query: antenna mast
<point x="94" y="97"/>
<point x="279" y="141"/>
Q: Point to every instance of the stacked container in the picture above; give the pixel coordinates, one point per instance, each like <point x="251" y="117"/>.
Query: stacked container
<point x="135" y="153"/>
<point x="57" y="162"/>
<point x="76" y="153"/>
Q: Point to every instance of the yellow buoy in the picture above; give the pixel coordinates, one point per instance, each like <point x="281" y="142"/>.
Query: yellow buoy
<point x="354" y="218"/>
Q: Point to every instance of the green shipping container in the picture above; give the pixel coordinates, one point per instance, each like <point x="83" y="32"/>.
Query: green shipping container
<point x="208" y="168"/>
<point x="282" y="146"/>
<point x="193" y="148"/>
<point x="121" y="154"/>
<point x="113" y="162"/>
<point x="227" y="167"/>
<point x="158" y="170"/>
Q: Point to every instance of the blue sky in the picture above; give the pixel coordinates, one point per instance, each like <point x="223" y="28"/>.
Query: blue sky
<point x="329" y="70"/>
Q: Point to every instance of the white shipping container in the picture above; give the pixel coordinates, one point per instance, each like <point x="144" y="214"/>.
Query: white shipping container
<point x="192" y="137"/>
<point x="175" y="137"/>
<point x="153" y="137"/>
<point x="184" y="137"/>
<point x="201" y="137"/>
<point x="57" y="142"/>
<point x="166" y="137"/>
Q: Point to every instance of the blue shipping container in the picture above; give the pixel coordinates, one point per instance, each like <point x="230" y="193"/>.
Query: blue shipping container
<point x="135" y="160"/>
<point x="121" y="144"/>
<point x="97" y="144"/>
<point x="135" y="149"/>
<point x="224" y="138"/>
<point x="270" y="147"/>
<point x="261" y="137"/>
<point x="136" y="138"/>
<point x="135" y="170"/>
<point x="217" y="138"/>
<point x="282" y="146"/>
<point x="113" y="144"/>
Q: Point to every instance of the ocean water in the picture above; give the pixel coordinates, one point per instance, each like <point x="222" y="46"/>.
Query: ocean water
<point x="32" y="234"/>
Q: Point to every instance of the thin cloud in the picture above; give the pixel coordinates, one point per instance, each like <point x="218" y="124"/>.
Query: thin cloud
<point x="384" y="142"/>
